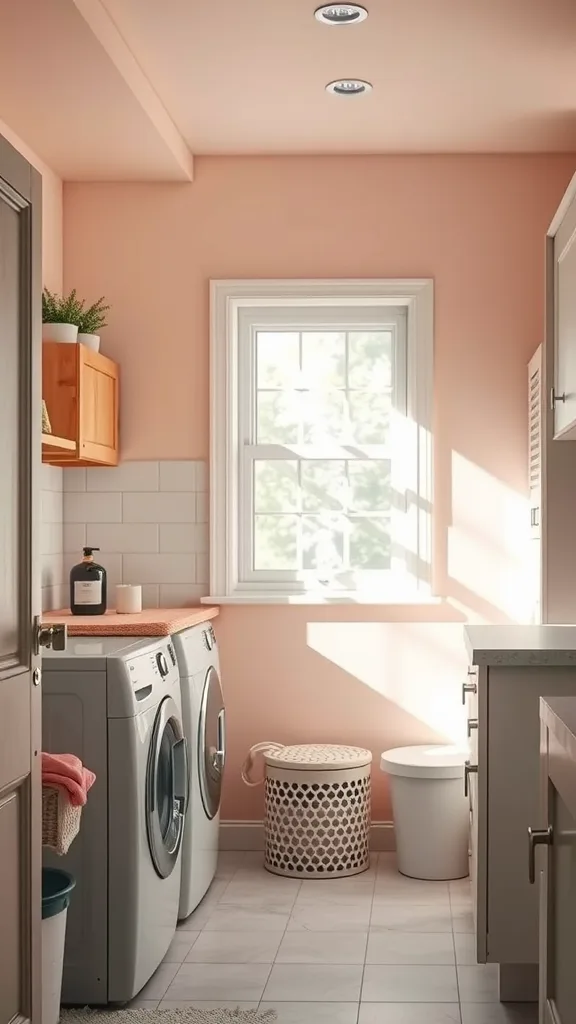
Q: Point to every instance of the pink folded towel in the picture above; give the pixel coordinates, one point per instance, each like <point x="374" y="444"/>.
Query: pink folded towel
<point x="67" y="770"/>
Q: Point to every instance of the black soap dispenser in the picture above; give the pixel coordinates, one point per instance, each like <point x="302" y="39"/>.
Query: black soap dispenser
<point x="88" y="586"/>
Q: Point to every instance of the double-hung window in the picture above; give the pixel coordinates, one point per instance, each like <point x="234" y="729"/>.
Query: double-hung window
<point x="321" y="443"/>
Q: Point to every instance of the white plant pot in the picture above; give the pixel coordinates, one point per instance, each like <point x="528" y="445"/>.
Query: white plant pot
<point x="90" y="340"/>
<point x="60" y="332"/>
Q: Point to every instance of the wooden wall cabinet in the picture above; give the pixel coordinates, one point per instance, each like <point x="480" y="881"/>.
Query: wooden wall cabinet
<point x="80" y="388"/>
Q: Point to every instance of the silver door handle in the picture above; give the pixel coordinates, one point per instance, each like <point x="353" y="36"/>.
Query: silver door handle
<point x="536" y="837"/>
<point x="219" y="756"/>
<point x="469" y="769"/>
<point x="556" y="398"/>
<point x="472" y="724"/>
<point x="467" y="688"/>
<point x="52" y="636"/>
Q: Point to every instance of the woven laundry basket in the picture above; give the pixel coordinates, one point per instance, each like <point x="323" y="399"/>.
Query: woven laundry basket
<point x="60" y="820"/>
<point x="317" y="810"/>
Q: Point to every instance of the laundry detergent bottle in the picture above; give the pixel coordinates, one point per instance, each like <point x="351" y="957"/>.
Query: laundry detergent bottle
<point x="88" y="586"/>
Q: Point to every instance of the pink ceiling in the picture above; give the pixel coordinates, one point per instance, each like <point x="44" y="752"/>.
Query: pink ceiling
<point x="130" y="89"/>
<point x="448" y="75"/>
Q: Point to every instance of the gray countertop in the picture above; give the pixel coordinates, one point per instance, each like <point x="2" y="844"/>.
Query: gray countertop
<point x="521" y="645"/>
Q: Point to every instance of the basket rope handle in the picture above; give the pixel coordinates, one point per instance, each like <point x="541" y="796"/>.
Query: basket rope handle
<point x="269" y="747"/>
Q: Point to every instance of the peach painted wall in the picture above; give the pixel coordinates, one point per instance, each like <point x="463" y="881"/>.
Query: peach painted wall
<point x="51" y="211"/>
<point x="377" y="676"/>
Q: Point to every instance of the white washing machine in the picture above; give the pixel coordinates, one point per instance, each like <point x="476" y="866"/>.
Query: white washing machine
<point x="116" y="704"/>
<point x="203" y="717"/>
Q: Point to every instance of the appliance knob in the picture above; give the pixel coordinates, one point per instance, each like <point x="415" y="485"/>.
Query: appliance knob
<point x="171" y="653"/>
<point x="207" y="640"/>
<point x="162" y="664"/>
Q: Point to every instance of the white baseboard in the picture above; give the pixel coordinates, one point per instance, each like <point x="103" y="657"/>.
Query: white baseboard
<point x="249" y="835"/>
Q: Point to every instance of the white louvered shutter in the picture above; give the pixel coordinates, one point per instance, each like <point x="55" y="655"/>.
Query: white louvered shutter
<point x="535" y="440"/>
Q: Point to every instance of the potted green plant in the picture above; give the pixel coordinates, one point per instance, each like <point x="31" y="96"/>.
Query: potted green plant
<point x="92" y="320"/>
<point x="60" y="316"/>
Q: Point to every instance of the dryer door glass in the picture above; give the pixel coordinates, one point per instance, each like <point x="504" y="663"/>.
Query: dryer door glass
<point x="211" y="743"/>
<point x="166" y="788"/>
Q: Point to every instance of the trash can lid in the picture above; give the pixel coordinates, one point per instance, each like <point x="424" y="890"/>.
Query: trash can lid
<point x="434" y="761"/>
<point x="319" y="757"/>
<point x="56" y="888"/>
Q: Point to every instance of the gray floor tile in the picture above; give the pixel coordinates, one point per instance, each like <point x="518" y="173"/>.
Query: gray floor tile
<point x="408" y="917"/>
<point x="313" y="1013"/>
<point x="499" y="1013"/>
<point x="398" y="947"/>
<point x="399" y="984"/>
<point x="207" y="1004"/>
<point x="478" y="984"/>
<point x="322" y="948"/>
<point x="409" y="1013"/>
<point x="325" y="917"/>
<point x="465" y="944"/>
<point x="241" y="919"/>
<point x="159" y="982"/>
<point x="219" y="981"/>
<point x="180" y="947"/>
<point x="259" y="947"/>
<point x="314" y="982"/>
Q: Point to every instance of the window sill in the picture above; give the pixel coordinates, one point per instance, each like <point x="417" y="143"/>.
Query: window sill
<point x="322" y="599"/>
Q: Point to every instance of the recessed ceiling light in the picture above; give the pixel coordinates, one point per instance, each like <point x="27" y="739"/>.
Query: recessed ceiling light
<point x="341" y="14"/>
<point x="348" y="87"/>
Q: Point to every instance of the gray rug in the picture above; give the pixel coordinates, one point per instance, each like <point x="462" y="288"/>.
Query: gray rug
<point x="187" y="1015"/>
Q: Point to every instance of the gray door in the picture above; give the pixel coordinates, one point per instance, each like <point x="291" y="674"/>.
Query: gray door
<point x="20" y="722"/>
<point x="211" y="743"/>
<point x="166" y="788"/>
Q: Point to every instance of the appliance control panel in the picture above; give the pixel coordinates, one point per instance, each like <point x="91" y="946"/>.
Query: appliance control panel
<point x="159" y="665"/>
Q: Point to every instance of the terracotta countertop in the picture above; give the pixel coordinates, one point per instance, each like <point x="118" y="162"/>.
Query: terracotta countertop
<point x="148" y="622"/>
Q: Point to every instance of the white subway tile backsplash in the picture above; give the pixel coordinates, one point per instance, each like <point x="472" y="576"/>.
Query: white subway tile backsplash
<point x="143" y="516"/>
<point x="180" y="595"/>
<point x="128" y="476"/>
<point x="52" y="570"/>
<point x="202" y="507"/>
<point x="75" y="480"/>
<point x="202" y="568"/>
<point x="92" y="507"/>
<point x="191" y="537"/>
<point x="125" y="538"/>
<point x="51" y="506"/>
<point x="53" y="598"/>
<point x="50" y="477"/>
<point x="162" y="507"/>
<point x="51" y="538"/>
<point x="74" y="538"/>
<point x="177" y="568"/>
<point x="150" y="595"/>
<point x="179" y="475"/>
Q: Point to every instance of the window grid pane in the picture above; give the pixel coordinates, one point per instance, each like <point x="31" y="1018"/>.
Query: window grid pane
<point x="312" y="514"/>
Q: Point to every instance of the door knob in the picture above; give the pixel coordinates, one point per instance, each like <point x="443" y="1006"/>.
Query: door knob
<point x="536" y="837"/>
<point x="52" y="636"/>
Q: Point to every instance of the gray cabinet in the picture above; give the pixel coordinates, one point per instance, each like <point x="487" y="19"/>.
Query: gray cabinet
<point x="504" y="790"/>
<point x="561" y="254"/>
<point x="557" y="863"/>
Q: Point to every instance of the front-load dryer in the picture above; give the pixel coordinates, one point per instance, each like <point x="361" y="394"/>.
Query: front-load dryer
<point x="203" y="718"/>
<point x="116" y="704"/>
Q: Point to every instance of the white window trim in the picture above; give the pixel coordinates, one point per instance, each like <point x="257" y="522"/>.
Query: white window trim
<point x="227" y="298"/>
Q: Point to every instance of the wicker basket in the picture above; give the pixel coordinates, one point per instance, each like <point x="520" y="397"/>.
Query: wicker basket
<point x="317" y="811"/>
<point x="60" y="820"/>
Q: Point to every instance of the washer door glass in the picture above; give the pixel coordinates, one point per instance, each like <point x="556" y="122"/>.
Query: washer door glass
<point x="211" y="743"/>
<point x="166" y="788"/>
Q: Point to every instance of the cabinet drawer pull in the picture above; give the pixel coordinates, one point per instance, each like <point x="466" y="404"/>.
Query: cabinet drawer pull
<point x="536" y="837"/>
<point x="468" y="770"/>
<point x="472" y="724"/>
<point x="556" y="398"/>
<point x="467" y="688"/>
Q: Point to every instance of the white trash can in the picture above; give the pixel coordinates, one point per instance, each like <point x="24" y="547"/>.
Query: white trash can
<point x="56" y="889"/>
<point x="431" y="813"/>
